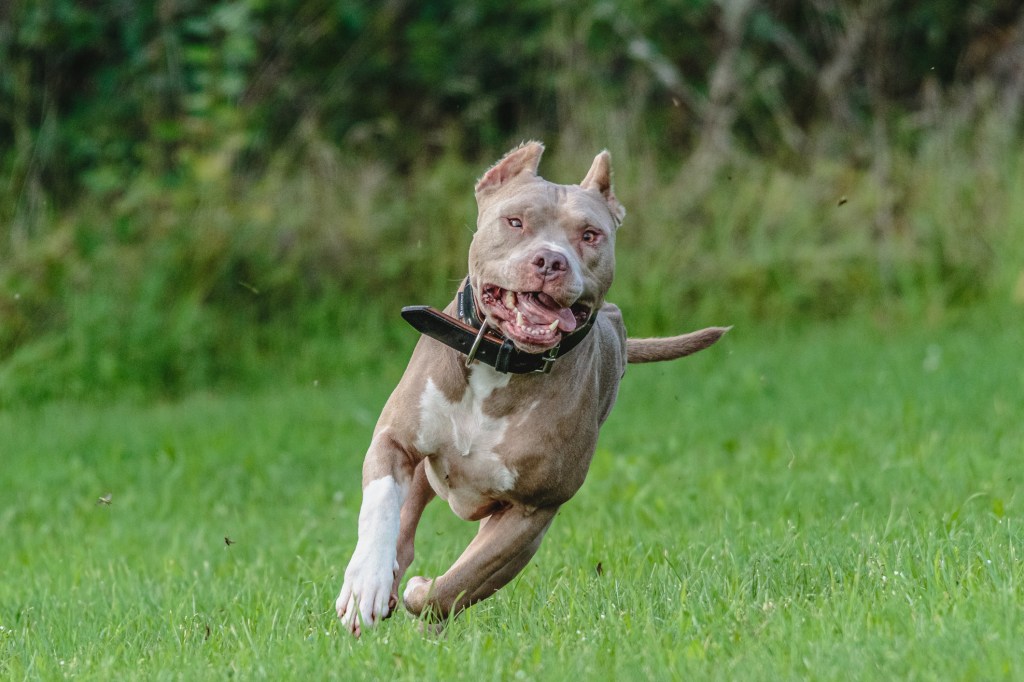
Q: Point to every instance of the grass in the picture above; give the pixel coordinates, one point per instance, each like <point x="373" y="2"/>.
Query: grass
<point x="831" y="501"/>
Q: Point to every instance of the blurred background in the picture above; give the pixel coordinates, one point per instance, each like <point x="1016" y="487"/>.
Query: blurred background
<point x="197" y="194"/>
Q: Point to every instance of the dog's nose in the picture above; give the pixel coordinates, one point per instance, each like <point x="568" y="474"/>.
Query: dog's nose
<point x="548" y="263"/>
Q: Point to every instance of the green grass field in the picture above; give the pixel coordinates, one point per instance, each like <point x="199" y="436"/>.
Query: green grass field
<point x="837" y="501"/>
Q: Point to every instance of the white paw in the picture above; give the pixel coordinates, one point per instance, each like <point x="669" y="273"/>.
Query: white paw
<point x="365" y="598"/>
<point x="366" y="592"/>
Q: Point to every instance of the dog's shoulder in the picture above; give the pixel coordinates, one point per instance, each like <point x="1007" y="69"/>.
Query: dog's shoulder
<point x="613" y="331"/>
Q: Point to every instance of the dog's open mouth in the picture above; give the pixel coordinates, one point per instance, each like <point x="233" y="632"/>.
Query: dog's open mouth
<point x="532" y="319"/>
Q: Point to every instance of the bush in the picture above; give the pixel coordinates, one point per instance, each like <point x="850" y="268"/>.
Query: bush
<point x="197" y="190"/>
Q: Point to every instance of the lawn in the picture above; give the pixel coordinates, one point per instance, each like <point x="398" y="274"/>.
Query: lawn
<point x="834" y="501"/>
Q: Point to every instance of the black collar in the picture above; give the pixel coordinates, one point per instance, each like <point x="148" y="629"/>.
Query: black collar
<point x="469" y="336"/>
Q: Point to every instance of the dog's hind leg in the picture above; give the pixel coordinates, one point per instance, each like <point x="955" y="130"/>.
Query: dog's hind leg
<point x="505" y="543"/>
<point x="510" y="570"/>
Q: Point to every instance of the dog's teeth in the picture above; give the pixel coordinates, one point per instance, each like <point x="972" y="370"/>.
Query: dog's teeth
<point x="553" y="326"/>
<point x="519" y="319"/>
<point x="510" y="299"/>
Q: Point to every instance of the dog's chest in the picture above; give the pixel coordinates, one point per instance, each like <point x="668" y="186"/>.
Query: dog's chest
<point x="461" y="440"/>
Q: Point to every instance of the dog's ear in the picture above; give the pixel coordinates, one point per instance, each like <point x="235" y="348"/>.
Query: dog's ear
<point x="599" y="179"/>
<point x="522" y="159"/>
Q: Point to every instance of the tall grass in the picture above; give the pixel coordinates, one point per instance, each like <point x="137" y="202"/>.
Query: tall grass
<point x="224" y="274"/>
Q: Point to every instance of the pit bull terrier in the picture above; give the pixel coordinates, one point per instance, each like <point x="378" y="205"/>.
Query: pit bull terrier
<point x="499" y="409"/>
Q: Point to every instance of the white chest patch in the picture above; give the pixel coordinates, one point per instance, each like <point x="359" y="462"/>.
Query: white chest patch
<point x="461" y="426"/>
<point x="462" y="430"/>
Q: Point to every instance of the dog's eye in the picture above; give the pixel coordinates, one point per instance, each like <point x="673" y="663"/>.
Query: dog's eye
<point x="591" y="236"/>
<point x="515" y="222"/>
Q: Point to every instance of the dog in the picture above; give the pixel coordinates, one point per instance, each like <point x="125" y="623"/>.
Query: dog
<point x="499" y="409"/>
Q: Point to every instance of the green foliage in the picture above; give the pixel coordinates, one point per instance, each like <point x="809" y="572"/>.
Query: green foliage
<point x="939" y="229"/>
<point x="101" y="91"/>
<point x="176" y="289"/>
<point x="172" y="290"/>
<point x="193" y="190"/>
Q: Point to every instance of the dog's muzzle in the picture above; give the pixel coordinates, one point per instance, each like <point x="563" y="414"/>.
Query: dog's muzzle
<point x="479" y="342"/>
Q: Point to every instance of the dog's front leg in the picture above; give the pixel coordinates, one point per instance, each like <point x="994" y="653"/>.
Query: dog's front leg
<point x="505" y="543"/>
<point x="366" y="596"/>
<point x="420" y="494"/>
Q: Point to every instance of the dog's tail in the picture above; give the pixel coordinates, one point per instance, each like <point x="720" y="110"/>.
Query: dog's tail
<point x="672" y="347"/>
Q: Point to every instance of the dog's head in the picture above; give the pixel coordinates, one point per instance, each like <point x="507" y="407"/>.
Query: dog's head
<point x="543" y="255"/>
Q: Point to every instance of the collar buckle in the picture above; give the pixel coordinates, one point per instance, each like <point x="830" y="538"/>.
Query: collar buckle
<point x="471" y="355"/>
<point x="549" y="357"/>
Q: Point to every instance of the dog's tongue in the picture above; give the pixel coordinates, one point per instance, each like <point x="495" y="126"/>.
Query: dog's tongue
<point x="541" y="309"/>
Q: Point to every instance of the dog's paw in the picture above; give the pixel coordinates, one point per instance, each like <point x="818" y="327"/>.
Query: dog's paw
<point x="366" y="597"/>
<point x="415" y="595"/>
